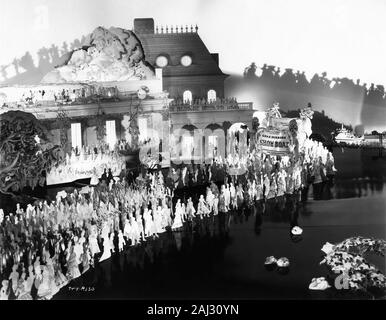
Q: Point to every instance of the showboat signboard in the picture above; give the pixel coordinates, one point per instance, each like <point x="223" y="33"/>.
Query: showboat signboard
<point x="274" y="142"/>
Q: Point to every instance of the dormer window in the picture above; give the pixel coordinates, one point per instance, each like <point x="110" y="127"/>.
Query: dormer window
<point x="186" y="60"/>
<point x="161" y="61"/>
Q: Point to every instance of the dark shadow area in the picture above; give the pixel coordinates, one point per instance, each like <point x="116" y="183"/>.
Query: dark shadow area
<point x="343" y="99"/>
<point x="24" y="71"/>
<point x="337" y="88"/>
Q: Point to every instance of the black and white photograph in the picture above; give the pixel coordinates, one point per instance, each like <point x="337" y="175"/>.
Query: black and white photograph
<point x="192" y="150"/>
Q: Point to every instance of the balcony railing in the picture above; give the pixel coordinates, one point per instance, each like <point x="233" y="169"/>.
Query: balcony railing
<point x="42" y="97"/>
<point x="25" y="105"/>
<point x="211" y="107"/>
<point x="175" y="29"/>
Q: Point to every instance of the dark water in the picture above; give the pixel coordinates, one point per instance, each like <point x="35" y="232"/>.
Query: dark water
<point x="223" y="257"/>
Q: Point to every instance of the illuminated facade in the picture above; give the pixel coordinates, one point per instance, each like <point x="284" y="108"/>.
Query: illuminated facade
<point x="200" y="112"/>
<point x="184" y="108"/>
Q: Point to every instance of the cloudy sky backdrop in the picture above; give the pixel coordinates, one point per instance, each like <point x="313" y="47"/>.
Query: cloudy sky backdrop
<point x="341" y="37"/>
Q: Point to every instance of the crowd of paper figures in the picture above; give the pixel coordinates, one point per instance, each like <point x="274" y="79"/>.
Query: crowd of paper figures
<point x="46" y="245"/>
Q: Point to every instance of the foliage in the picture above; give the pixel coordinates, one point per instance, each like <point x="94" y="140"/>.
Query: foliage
<point x="63" y="123"/>
<point x="347" y="257"/>
<point x="255" y="123"/>
<point x="318" y="137"/>
<point x="25" y="154"/>
<point x="100" y="127"/>
<point x="134" y="111"/>
<point x="293" y="127"/>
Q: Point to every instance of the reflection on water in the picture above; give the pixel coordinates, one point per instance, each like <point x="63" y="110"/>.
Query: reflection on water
<point x="360" y="173"/>
<point x="223" y="256"/>
<point x="199" y="245"/>
<point x="357" y="188"/>
<point x="174" y="258"/>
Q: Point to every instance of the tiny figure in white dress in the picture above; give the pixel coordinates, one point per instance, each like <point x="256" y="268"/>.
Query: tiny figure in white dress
<point x="209" y="199"/>
<point x="227" y="197"/>
<point x="215" y="206"/>
<point x="14" y="277"/>
<point x="140" y="227"/>
<point x="112" y="242"/>
<point x="78" y="248"/>
<point x="93" y="242"/>
<point x="160" y="225"/>
<point x="166" y="215"/>
<point x="72" y="264"/>
<point x="85" y="258"/>
<point x="281" y="182"/>
<point x="4" y="291"/>
<point x="121" y="241"/>
<point x="134" y="234"/>
<point x="106" y="249"/>
<point x="202" y="208"/>
<point x="24" y="290"/>
<point x="184" y="214"/>
<point x="177" y="222"/>
<point x="232" y="191"/>
<point x="148" y="222"/>
<point x="94" y="178"/>
<point x="44" y="290"/>
<point x="153" y="226"/>
<point x="190" y="210"/>
<point x="127" y="228"/>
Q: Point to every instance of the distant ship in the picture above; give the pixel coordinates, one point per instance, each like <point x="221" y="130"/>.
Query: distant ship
<point x="347" y="137"/>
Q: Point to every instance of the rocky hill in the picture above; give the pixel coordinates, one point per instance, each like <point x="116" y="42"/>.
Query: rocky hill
<point x="112" y="54"/>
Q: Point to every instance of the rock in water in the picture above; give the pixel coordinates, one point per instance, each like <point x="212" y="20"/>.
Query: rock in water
<point x="327" y="248"/>
<point x="283" y="262"/>
<point x="319" y="284"/>
<point x="296" y="231"/>
<point x="270" y="260"/>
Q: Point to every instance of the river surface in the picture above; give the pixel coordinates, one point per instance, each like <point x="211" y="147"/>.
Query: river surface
<point x="223" y="257"/>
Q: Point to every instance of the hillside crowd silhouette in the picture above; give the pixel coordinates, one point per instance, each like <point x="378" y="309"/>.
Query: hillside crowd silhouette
<point x="336" y="88"/>
<point x="24" y="71"/>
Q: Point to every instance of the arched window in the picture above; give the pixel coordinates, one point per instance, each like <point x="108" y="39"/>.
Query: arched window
<point x="212" y="146"/>
<point x="187" y="147"/>
<point x="142" y="126"/>
<point x="211" y="95"/>
<point x="76" y="135"/>
<point x="187" y="97"/>
<point x="111" y="135"/>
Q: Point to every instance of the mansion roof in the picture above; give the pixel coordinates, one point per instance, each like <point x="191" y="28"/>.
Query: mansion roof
<point x="174" y="45"/>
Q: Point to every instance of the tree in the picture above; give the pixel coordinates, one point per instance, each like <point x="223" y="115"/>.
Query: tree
<point x="27" y="62"/>
<point x="255" y="123"/>
<point x="318" y="137"/>
<point x="25" y="153"/>
<point x="63" y="123"/>
<point x="134" y="111"/>
<point x="100" y="127"/>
